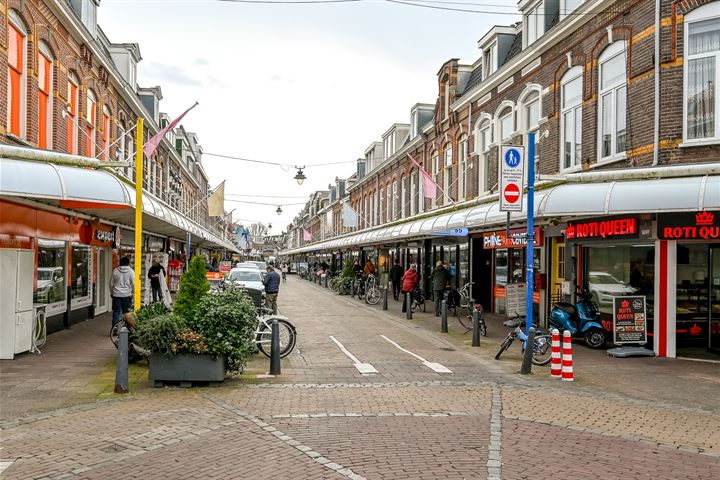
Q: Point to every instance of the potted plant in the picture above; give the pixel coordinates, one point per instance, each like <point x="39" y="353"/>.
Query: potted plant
<point x="209" y="334"/>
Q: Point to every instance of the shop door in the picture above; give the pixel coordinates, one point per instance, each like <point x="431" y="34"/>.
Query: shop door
<point x="102" y="286"/>
<point x="558" y="270"/>
<point x="714" y="307"/>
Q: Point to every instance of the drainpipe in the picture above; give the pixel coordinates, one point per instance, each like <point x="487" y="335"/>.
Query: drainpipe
<point x="656" y="138"/>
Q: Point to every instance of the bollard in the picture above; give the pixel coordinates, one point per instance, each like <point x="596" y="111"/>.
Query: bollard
<point x="556" y="365"/>
<point x="385" y="300"/>
<point x="443" y="317"/>
<point x="408" y="305"/>
<point x="121" y="369"/>
<point x="527" y="358"/>
<point x="275" y="348"/>
<point x="352" y="289"/>
<point x="326" y="277"/>
<point x="476" y="327"/>
<point x="567" y="366"/>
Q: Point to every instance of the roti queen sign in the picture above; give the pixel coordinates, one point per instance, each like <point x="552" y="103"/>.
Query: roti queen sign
<point x="512" y="175"/>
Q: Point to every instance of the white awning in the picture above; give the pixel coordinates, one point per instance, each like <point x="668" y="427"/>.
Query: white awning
<point x="100" y="194"/>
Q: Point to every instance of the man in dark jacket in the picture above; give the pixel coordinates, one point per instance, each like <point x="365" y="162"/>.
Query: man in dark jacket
<point x="272" y="287"/>
<point x="154" y="276"/>
<point x="440" y="279"/>
<point x="396" y="274"/>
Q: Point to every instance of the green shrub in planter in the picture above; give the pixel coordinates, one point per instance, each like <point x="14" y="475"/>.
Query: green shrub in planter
<point x="193" y="285"/>
<point x="151" y="311"/>
<point x="226" y="321"/>
<point x="168" y="334"/>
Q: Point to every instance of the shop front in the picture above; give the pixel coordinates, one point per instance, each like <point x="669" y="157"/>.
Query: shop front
<point x="689" y="255"/>
<point x="508" y="259"/>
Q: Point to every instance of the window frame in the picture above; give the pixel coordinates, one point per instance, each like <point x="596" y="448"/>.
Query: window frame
<point x="91" y="119"/>
<point x="435" y="165"/>
<point x="611" y="52"/>
<point x="16" y="23"/>
<point x="535" y="15"/>
<point x="484" y="141"/>
<point x="698" y="15"/>
<point x="46" y="90"/>
<point x="500" y="116"/>
<point x="570" y="76"/>
<point x="105" y="139"/>
<point x="73" y="97"/>
<point x="462" y="167"/>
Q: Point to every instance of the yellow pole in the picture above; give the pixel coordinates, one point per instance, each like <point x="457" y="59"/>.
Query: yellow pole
<point x="138" y="209"/>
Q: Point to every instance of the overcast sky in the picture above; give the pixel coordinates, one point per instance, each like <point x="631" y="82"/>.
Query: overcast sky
<point x="299" y="84"/>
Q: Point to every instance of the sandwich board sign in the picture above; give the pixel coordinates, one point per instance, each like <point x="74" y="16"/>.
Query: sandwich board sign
<point x="512" y="175"/>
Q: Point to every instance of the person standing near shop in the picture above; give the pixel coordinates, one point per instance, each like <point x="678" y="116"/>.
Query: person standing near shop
<point x="122" y="288"/>
<point x="396" y="275"/>
<point x="272" y="287"/>
<point x="440" y="279"/>
<point x="409" y="283"/>
<point x="154" y="276"/>
<point x="369" y="268"/>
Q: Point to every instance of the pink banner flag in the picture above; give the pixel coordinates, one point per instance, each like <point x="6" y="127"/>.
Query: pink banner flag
<point x="152" y="144"/>
<point x="306" y="235"/>
<point x="429" y="186"/>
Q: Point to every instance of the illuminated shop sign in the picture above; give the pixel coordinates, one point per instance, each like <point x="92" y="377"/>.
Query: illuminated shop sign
<point x="517" y="238"/>
<point x="689" y="226"/>
<point x="606" y="228"/>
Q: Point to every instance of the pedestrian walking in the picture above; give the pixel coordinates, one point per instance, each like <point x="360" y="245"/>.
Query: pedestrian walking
<point x="122" y="288"/>
<point x="440" y="279"/>
<point x="272" y="287"/>
<point x="284" y="270"/>
<point x="154" y="276"/>
<point x="396" y="275"/>
<point x="409" y="283"/>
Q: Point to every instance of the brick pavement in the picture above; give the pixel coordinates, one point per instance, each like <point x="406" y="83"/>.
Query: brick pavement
<point x="323" y="419"/>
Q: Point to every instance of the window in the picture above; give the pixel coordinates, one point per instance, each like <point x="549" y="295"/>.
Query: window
<point x="396" y="200"/>
<point x="447" y="99"/>
<point x="105" y="133"/>
<point x="535" y="23"/>
<point x="484" y="142"/>
<point x="51" y="268"/>
<point x="389" y="204"/>
<point x="506" y="124"/>
<point x="80" y="270"/>
<point x="90" y="116"/>
<point x="414" y="190"/>
<point x="462" y="168"/>
<point x="531" y="111"/>
<point x="403" y="196"/>
<point x="45" y="78"/>
<point x="447" y="174"/>
<point x="72" y="111"/>
<point x="435" y="159"/>
<point x="702" y="72"/>
<point x="612" y="101"/>
<point x="489" y="62"/>
<point x="571" y="118"/>
<point x="17" y="58"/>
<point x="567" y="6"/>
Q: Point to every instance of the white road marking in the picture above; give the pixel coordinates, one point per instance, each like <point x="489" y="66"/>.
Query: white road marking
<point x="436" y="367"/>
<point x="364" y="368"/>
<point x="5" y="464"/>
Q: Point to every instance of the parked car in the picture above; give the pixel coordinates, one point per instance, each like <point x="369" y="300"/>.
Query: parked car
<point x="50" y="285"/>
<point x="246" y="277"/>
<point x="603" y="287"/>
<point x="247" y="265"/>
<point x="261" y="265"/>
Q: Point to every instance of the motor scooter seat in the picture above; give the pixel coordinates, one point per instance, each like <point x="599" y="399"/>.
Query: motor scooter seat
<point x="568" y="308"/>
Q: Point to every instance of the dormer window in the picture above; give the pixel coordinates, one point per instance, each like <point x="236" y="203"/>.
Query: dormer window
<point x="568" y="6"/>
<point x="87" y="11"/>
<point x="535" y="23"/>
<point x="489" y="60"/>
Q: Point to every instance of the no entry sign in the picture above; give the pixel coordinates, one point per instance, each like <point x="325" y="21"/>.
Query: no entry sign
<point x="512" y="172"/>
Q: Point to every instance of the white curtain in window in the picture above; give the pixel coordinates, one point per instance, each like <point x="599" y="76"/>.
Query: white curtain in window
<point x="704" y="37"/>
<point x="701" y="98"/>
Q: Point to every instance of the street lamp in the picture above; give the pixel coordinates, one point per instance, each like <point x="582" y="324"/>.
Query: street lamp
<point x="279" y="209"/>
<point x="300" y="176"/>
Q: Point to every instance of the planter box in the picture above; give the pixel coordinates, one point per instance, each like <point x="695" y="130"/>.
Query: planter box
<point x="186" y="368"/>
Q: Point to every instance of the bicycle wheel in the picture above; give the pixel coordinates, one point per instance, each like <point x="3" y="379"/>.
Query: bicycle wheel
<point x="373" y="296"/>
<point x="542" y="351"/>
<point x="464" y="316"/>
<point x="288" y="336"/>
<point x="505" y="344"/>
<point x="114" y="332"/>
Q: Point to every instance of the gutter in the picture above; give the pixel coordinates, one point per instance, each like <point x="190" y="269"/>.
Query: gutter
<point x="50" y="156"/>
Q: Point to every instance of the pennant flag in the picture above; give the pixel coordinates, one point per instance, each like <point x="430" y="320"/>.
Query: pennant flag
<point x="306" y="235"/>
<point x="152" y="144"/>
<point x="216" y="201"/>
<point x="429" y="186"/>
<point x="350" y="216"/>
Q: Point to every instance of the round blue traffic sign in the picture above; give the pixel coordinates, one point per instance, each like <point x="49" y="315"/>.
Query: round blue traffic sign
<point x="512" y="157"/>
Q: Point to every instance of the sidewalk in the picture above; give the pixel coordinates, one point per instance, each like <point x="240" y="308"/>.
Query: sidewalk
<point x="676" y="381"/>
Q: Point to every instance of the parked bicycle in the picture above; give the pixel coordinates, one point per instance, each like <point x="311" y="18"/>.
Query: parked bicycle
<point x="418" y="300"/>
<point x="466" y="308"/>
<point x="372" y="291"/>
<point x="263" y="332"/>
<point x="542" y="344"/>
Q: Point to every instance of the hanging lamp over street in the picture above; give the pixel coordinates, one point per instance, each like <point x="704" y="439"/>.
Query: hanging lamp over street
<point x="279" y="210"/>
<point x="300" y="176"/>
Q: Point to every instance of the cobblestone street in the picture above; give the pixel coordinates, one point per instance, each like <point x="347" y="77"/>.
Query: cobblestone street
<point x="323" y="418"/>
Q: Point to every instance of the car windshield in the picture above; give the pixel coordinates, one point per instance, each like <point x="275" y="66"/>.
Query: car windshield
<point x="244" y="276"/>
<point x="605" y="280"/>
<point x="44" y="274"/>
<point x="261" y="265"/>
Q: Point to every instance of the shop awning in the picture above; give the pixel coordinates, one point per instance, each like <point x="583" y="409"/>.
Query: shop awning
<point x="100" y="194"/>
<point x="683" y="194"/>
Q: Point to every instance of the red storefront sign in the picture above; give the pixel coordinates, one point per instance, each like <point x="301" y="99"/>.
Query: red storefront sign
<point x="623" y="227"/>
<point x="516" y="239"/>
<point x="15" y="241"/>
<point x="689" y="226"/>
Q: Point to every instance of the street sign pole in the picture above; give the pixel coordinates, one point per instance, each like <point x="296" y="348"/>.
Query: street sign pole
<point x="530" y="234"/>
<point x="138" y="211"/>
